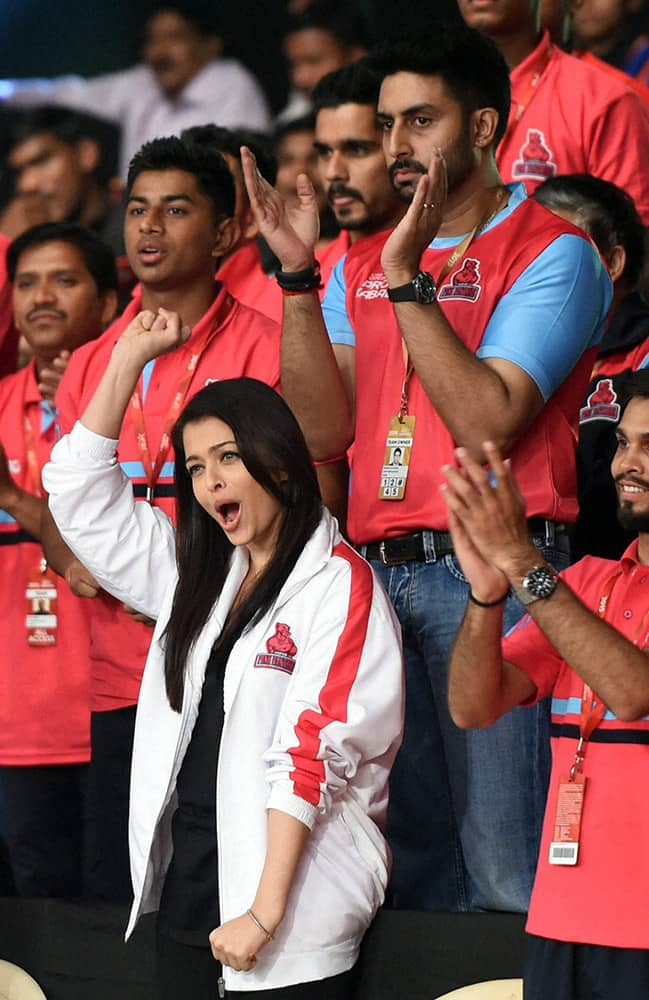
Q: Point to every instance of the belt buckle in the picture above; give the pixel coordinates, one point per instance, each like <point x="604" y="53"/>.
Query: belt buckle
<point x="388" y="560"/>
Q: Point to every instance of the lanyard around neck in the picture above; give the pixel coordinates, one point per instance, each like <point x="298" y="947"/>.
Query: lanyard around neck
<point x="152" y="469"/>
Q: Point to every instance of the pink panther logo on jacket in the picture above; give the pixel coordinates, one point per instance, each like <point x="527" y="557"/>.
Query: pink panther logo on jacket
<point x="536" y="159"/>
<point x="374" y="287"/>
<point x="464" y="283"/>
<point x="602" y="403"/>
<point x="281" y="651"/>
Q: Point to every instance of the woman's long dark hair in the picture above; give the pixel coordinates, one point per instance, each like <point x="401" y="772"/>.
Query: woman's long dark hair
<point x="270" y="442"/>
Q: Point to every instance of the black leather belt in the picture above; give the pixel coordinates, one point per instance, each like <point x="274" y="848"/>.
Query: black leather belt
<point x="421" y="546"/>
<point x="429" y="546"/>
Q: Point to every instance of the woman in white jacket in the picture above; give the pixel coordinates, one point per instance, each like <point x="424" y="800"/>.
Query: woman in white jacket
<point x="271" y="704"/>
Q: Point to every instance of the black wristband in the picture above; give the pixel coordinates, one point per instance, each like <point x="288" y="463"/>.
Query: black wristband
<point x="488" y="604"/>
<point x="300" y="281"/>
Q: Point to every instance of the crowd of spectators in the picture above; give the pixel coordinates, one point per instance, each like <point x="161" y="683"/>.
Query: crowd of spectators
<point x="436" y="253"/>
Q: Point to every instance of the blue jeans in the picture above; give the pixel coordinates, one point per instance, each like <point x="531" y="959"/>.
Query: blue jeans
<point x="466" y="808"/>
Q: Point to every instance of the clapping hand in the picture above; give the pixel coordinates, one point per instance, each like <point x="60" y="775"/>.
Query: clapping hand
<point x="291" y="232"/>
<point x="406" y="243"/>
<point x="487" y="521"/>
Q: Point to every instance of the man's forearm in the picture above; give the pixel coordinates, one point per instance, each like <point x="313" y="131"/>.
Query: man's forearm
<point x="475" y="669"/>
<point x="613" y="667"/>
<point x="311" y="381"/>
<point x="471" y="398"/>
<point x="25" y="508"/>
<point x="58" y="555"/>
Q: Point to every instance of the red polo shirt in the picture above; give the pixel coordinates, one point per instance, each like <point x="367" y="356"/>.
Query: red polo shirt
<point x="602" y="899"/>
<point x="543" y="458"/>
<point x="568" y="117"/>
<point x="241" y="342"/>
<point x="44" y="690"/>
<point x="245" y="278"/>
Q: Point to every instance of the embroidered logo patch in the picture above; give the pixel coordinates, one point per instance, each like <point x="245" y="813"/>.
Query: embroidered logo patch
<point x="536" y="159"/>
<point x="374" y="287"/>
<point x="602" y="403"/>
<point x="281" y="651"/>
<point x="463" y="283"/>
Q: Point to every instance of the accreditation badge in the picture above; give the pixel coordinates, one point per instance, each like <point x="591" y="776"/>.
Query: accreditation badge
<point x="41" y="619"/>
<point x="398" y="448"/>
<point x="564" y="849"/>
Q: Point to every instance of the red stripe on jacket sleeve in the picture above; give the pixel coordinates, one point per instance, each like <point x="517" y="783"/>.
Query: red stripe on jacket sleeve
<point x="333" y="701"/>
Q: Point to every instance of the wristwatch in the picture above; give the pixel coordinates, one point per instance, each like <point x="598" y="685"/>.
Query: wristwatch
<point x="538" y="584"/>
<point x="421" y="289"/>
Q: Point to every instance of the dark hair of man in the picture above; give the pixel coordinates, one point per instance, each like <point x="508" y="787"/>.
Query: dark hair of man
<point x="69" y="127"/>
<point x="632" y="386"/>
<point x="230" y="140"/>
<point x="98" y="257"/>
<point x="201" y="14"/>
<point x="213" y="177"/>
<point x="470" y="65"/>
<point x="270" y="443"/>
<point x="356" y="83"/>
<point x="604" y="211"/>
<point x="340" y="18"/>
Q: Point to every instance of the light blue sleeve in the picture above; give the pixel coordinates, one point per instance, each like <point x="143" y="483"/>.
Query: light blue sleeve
<point x="553" y="312"/>
<point x="334" y="309"/>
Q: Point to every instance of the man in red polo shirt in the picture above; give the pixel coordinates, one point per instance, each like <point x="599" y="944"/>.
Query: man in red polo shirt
<point x="480" y="310"/>
<point x="179" y="222"/>
<point x="584" y="642"/>
<point x="64" y="293"/>
<point x="566" y="116"/>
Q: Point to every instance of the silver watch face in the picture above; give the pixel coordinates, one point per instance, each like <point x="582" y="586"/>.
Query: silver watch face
<point x="540" y="582"/>
<point x="425" y="287"/>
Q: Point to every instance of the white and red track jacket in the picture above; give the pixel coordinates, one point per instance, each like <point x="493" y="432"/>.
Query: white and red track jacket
<point x="313" y="699"/>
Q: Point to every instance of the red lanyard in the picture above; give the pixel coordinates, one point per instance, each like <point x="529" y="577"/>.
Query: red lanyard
<point x="32" y="458"/>
<point x="152" y="469"/>
<point x="531" y="83"/>
<point x="592" y="713"/>
<point x="592" y="707"/>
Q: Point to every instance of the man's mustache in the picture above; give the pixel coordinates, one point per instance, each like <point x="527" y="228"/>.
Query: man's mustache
<point x="338" y="188"/>
<point x="42" y="311"/>
<point x="406" y="164"/>
<point x="632" y="479"/>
